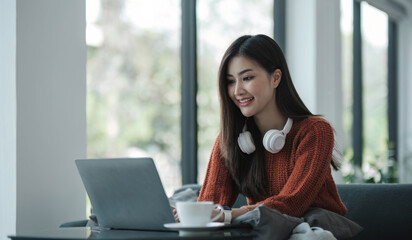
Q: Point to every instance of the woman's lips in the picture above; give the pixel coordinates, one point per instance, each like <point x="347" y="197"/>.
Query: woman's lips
<point x="245" y="101"/>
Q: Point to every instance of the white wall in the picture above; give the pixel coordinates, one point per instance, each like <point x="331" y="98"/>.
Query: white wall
<point x="51" y="114"/>
<point x="405" y="96"/>
<point x="300" y="48"/>
<point x="313" y="49"/>
<point x="7" y="118"/>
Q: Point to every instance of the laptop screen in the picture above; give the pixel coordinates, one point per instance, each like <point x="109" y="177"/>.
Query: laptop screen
<point x="126" y="193"/>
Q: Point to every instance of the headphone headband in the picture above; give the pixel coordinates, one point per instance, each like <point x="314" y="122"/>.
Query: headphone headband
<point x="288" y="126"/>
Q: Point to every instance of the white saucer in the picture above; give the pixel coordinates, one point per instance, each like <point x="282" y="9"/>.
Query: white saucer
<point x="180" y="227"/>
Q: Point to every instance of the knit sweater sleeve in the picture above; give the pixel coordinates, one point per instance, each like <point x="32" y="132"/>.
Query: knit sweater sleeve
<point x="312" y="165"/>
<point x="218" y="184"/>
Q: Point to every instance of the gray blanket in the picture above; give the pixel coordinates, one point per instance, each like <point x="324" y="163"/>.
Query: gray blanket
<point x="271" y="224"/>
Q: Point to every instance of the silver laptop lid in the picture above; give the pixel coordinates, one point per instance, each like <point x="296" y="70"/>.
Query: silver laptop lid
<point x="126" y="193"/>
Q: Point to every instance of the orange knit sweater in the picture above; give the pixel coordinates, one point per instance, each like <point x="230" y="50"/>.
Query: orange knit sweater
<point x="298" y="177"/>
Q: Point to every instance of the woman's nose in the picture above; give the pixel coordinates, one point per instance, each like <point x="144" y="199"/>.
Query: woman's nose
<point x="239" y="90"/>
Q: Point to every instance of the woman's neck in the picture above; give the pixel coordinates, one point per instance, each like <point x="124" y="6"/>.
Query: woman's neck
<point x="270" y="120"/>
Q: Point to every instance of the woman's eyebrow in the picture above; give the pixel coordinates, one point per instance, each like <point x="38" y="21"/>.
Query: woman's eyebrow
<point x="240" y="73"/>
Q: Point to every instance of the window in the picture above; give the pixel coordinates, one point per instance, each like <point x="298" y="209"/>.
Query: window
<point x="371" y="83"/>
<point x="133" y="82"/>
<point x="375" y="66"/>
<point x="134" y="78"/>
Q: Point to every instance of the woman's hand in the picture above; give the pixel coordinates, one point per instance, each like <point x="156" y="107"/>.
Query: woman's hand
<point x="175" y="214"/>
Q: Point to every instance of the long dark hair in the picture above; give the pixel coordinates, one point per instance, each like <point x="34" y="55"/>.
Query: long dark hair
<point x="248" y="170"/>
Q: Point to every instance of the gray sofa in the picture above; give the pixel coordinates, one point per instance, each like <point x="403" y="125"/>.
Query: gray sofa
<point x="383" y="210"/>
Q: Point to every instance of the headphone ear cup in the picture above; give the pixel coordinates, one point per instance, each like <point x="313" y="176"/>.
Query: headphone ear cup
<point x="274" y="140"/>
<point x="245" y="142"/>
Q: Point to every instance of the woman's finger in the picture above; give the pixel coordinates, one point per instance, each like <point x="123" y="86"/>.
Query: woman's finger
<point x="176" y="216"/>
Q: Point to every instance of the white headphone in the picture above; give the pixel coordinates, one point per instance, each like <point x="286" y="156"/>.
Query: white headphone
<point x="273" y="141"/>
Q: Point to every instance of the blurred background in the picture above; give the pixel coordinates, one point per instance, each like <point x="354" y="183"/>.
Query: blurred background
<point x="134" y="80"/>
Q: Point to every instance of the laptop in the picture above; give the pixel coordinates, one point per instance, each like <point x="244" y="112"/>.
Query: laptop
<point x="126" y="193"/>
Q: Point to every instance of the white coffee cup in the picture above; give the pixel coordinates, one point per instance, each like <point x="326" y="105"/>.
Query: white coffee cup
<point x="196" y="214"/>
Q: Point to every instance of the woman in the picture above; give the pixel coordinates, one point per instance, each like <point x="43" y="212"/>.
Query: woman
<point x="261" y="110"/>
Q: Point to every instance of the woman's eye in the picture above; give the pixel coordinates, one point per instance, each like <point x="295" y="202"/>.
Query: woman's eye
<point x="230" y="81"/>
<point x="247" y="78"/>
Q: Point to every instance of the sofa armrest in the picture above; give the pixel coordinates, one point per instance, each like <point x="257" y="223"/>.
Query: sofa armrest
<point x="383" y="210"/>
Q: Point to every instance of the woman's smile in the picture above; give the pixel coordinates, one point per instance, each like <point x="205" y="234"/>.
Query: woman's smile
<point x="245" y="101"/>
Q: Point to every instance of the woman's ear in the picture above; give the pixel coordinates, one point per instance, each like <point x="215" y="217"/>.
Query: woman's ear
<point x="276" y="77"/>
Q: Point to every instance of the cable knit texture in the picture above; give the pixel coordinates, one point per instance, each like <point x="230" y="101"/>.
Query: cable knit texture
<point x="298" y="177"/>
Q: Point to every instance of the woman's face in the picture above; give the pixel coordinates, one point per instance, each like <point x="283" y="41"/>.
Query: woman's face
<point x="250" y="86"/>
